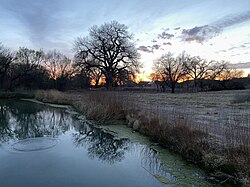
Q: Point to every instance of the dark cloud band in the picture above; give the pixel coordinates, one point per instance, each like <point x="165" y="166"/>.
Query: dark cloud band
<point x="203" y="33"/>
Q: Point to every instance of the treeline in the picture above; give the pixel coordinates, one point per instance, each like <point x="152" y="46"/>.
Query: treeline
<point x="170" y="70"/>
<point x="35" y="69"/>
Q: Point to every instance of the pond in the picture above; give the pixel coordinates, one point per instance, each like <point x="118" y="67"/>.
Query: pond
<point x="47" y="146"/>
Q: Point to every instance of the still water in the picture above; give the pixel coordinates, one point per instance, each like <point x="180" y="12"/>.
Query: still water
<point x="48" y="146"/>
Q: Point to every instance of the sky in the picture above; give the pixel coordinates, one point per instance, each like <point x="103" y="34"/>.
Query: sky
<point x="212" y="29"/>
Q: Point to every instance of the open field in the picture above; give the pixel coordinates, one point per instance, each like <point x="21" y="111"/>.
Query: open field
<point x="215" y="112"/>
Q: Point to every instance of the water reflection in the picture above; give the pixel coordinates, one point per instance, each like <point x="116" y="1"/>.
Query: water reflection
<point x="6" y="132"/>
<point x="101" y="145"/>
<point x="20" y="120"/>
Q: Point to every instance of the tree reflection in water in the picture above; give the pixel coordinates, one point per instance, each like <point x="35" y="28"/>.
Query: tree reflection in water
<point x="6" y="132"/>
<point x="100" y="145"/>
<point x="151" y="162"/>
<point x="20" y="120"/>
<point x="105" y="147"/>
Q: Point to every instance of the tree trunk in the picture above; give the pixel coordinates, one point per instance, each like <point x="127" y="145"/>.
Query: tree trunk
<point x="173" y="87"/>
<point x="97" y="80"/>
<point x="1" y="81"/>
<point x="109" y="80"/>
<point x="196" y="85"/>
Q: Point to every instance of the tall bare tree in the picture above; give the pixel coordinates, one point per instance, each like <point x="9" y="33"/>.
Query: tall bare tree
<point x="170" y="68"/>
<point x="110" y="49"/>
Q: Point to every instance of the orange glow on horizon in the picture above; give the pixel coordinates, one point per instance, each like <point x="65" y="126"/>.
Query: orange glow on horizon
<point x="142" y="77"/>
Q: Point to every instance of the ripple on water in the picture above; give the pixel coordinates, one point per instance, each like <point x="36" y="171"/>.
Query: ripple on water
<point x="34" y="144"/>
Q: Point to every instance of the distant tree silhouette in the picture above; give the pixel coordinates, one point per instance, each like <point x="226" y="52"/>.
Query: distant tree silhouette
<point x="110" y="49"/>
<point x="59" y="68"/>
<point x="228" y="74"/>
<point x="80" y="80"/>
<point x="158" y="79"/>
<point x="170" y="68"/>
<point x="124" y="78"/>
<point x="6" y="58"/>
<point x="198" y="69"/>
<point x="26" y="62"/>
<point x="93" y="73"/>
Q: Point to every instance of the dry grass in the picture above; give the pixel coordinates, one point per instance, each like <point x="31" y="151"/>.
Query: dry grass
<point x="52" y="96"/>
<point x="177" y="136"/>
<point x="102" y="107"/>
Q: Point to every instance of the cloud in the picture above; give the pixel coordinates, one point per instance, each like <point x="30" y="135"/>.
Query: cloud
<point x="239" y="65"/>
<point x="199" y="34"/>
<point x="238" y="47"/>
<point x="156" y="46"/>
<point x="232" y="48"/>
<point x="149" y="49"/>
<point x="146" y="49"/>
<point x="221" y="51"/>
<point x="203" y="33"/>
<point x="165" y="29"/>
<point x="37" y="17"/>
<point x="167" y="43"/>
<point x="165" y="35"/>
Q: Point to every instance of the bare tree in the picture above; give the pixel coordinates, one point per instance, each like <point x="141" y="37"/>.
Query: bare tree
<point x="216" y="69"/>
<point x="93" y="73"/>
<point x="158" y="79"/>
<point x="228" y="74"/>
<point x="26" y="61"/>
<point x="6" y="58"/>
<point x="108" y="48"/>
<point x="59" y="68"/>
<point x="170" y="68"/>
<point x="198" y="68"/>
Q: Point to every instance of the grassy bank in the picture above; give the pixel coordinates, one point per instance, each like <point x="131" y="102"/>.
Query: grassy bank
<point x="227" y="158"/>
